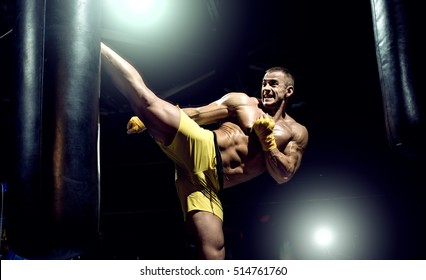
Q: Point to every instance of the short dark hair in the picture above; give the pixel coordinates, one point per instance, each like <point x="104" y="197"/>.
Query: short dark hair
<point x="283" y="70"/>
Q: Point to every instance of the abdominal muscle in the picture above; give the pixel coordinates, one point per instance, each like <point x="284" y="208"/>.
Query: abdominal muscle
<point x="242" y="157"/>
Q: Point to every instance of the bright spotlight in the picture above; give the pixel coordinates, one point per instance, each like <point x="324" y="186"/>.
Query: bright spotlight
<point x="141" y="7"/>
<point x="138" y="13"/>
<point x="323" y="237"/>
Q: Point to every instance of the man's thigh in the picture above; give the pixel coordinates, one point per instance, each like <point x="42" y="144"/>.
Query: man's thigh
<point x="206" y="229"/>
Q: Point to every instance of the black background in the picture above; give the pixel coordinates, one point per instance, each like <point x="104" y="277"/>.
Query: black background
<point x="349" y="171"/>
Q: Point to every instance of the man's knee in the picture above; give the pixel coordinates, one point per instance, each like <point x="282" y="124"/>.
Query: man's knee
<point x="213" y="253"/>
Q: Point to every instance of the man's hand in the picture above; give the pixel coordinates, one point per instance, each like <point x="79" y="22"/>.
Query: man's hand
<point x="135" y="125"/>
<point x="264" y="128"/>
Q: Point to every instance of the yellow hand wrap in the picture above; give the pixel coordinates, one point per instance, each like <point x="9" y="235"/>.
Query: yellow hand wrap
<point x="135" y="125"/>
<point x="264" y="128"/>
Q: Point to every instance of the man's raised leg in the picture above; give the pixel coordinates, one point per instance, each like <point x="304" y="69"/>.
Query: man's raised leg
<point x="160" y="117"/>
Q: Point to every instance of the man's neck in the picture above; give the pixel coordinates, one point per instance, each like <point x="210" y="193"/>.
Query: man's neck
<point x="276" y="112"/>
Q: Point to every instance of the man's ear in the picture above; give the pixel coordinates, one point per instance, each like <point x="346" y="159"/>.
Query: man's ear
<point x="289" y="91"/>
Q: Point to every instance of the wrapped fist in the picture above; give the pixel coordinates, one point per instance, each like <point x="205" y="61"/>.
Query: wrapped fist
<point x="264" y="128"/>
<point x="135" y="125"/>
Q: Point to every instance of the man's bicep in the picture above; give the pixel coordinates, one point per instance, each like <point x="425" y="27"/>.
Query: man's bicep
<point x="208" y="114"/>
<point x="296" y="148"/>
<point x="217" y="110"/>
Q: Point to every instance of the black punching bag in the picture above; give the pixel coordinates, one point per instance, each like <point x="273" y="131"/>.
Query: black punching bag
<point x="398" y="30"/>
<point x="53" y="200"/>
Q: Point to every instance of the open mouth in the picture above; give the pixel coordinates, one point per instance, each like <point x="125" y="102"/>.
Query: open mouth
<point x="268" y="98"/>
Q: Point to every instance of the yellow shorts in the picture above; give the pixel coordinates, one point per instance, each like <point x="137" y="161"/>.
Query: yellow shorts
<point x="194" y="154"/>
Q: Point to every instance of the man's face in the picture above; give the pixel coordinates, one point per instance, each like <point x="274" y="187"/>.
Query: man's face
<point x="273" y="89"/>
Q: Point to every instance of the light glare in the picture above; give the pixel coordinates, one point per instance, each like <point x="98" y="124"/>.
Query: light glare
<point x="142" y="7"/>
<point x="323" y="237"/>
<point x="139" y="13"/>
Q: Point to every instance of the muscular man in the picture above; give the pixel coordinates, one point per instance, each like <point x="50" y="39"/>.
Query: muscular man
<point x="255" y="135"/>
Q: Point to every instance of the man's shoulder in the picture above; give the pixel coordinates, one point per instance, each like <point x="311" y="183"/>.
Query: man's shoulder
<point x="240" y="98"/>
<point x="238" y="94"/>
<point x="299" y="131"/>
<point x="294" y="124"/>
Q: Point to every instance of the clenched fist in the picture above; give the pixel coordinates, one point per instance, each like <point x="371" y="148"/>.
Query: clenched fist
<point x="264" y="128"/>
<point x="135" y="125"/>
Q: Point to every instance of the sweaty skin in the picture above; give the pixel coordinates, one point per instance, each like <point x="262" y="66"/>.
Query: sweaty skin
<point x="242" y="156"/>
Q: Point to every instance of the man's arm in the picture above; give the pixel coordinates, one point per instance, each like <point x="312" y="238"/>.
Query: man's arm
<point x="218" y="110"/>
<point x="281" y="165"/>
<point x="203" y="115"/>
